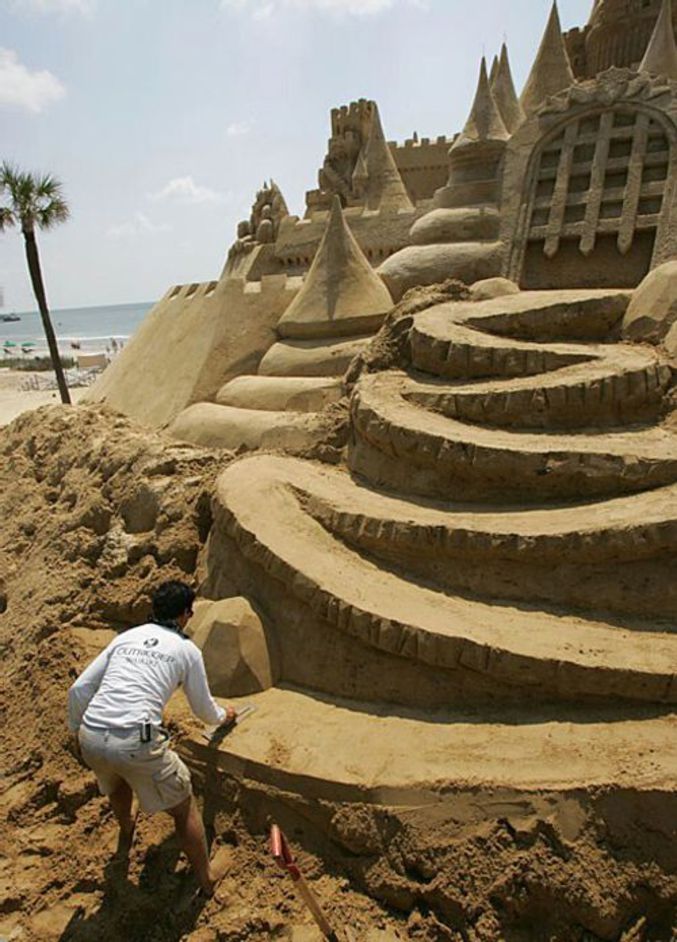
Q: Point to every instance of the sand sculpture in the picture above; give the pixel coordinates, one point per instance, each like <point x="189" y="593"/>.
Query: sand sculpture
<point x="569" y="185"/>
<point x="497" y="543"/>
<point x="330" y="320"/>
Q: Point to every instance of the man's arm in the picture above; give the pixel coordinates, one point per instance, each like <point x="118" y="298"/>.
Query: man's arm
<point x="84" y="689"/>
<point x="199" y="696"/>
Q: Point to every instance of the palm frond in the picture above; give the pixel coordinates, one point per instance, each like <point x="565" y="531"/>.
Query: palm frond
<point x="52" y="214"/>
<point x="34" y="200"/>
<point x="9" y="175"/>
<point x="47" y="187"/>
<point x="7" y="218"/>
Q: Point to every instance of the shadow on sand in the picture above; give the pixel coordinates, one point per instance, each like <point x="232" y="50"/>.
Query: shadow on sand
<point x="162" y="907"/>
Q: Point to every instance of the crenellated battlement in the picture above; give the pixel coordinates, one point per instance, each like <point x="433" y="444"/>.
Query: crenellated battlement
<point x="379" y="235"/>
<point x="423" y="164"/>
<point x="190" y="292"/>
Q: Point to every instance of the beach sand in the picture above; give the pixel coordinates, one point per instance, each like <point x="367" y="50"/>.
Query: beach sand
<point x="14" y="399"/>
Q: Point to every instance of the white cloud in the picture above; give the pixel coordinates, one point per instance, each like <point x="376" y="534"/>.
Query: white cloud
<point x="264" y="9"/>
<point x="52" y="6"/>
<point x="238" y="128"/>
<point x="186" y="190"/>
<point x="140" y="225"/>
<point x="19" y="87"/>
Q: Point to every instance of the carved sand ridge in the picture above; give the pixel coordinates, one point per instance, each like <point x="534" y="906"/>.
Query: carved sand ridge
<point x="517" y="578"/>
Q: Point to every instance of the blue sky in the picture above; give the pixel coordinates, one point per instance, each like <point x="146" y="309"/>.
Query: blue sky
<point x="163" y="117"/>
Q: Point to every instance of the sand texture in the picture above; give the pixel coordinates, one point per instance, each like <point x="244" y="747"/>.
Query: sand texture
<point x="466" y="722"/>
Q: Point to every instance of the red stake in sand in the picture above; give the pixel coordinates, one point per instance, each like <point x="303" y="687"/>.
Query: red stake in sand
<point x="284" y="858"/>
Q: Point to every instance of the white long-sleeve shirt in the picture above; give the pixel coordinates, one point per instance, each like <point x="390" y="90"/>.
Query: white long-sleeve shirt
<point x="131" y="681"/>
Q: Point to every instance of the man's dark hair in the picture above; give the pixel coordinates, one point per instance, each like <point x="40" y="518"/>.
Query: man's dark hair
<point x="172" y="599"/>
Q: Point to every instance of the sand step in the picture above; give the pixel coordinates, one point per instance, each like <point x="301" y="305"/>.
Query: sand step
<point x="280" y="393"/>
<point x="402" y="446"/>
<point x="312" y="357"/>
<point x="514" y="335"/>
<point x="494" y="652"/>
<point x="361" y="752"/>
<point x="211" y="425"/>
<point x="454" y="351"/>
<point x="619" y="555"/>
<point x="623" y="384"/>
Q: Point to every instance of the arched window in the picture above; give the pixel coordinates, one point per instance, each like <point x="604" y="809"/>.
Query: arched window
<point x="596" y="194"/>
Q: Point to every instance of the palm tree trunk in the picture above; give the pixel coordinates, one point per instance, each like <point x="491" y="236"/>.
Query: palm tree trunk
<point x="39" y="290"/>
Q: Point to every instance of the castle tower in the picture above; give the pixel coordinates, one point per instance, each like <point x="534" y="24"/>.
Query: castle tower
<point x="661" y="55"/>
<point x="458" y="238"/>
<point x="503" y="90"/>
<point x="617" y="34"/>
<point x="494" y="70"/>
<point x="360" y="175"/>
<point x="551" y="71"/>
<point x="475" y="154"/>
<point x="385" y="189"/>
<point x="341" y="293"/>
<point x="484" y="123"/>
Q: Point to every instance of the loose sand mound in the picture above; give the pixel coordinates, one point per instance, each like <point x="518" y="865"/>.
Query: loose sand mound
<point x="95" y="512"/>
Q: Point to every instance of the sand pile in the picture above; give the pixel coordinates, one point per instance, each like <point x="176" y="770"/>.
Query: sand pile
<point x="95" y="512"/>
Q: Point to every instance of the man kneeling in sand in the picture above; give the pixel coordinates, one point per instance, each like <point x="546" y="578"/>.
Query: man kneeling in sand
<point x="115" y="709"/>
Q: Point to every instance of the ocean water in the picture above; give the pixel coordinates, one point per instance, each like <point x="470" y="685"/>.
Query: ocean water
<point x="95" y="329"/>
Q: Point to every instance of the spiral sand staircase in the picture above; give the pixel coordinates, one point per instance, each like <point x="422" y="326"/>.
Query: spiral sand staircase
<point x="485" y="598"/>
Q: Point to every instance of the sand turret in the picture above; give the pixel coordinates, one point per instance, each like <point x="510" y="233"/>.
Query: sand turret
<point x="551" y="71"/>
<point x="485" y="123"/>
<point x="385" y="187"/>
<point x="341" y="294"/>
<point x="661" y="56"/>
<point x="503" y="90"/>
<point x="495" y="62"/>
<point x="360" y="174"/>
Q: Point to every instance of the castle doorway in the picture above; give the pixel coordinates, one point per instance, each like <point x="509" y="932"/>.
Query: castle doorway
<point x="595" y="201"/>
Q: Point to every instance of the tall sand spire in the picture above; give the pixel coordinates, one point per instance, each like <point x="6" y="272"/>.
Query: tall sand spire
<point x="385" y="188"/>
<point x="341" y="294"/>
<point x="503" y="90"/>
<point x="551" y="71"/>
<point x="485" y="122"/>
<point x="494" y="70"/>
<point x="661" y="55"/>
<point x="360" y="173"/>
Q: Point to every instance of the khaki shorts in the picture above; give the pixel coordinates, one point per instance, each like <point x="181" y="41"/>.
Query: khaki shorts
<point x="155" y="773"/>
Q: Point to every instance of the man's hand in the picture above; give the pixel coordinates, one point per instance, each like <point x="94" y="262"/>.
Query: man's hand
<point x="231" y="716"/>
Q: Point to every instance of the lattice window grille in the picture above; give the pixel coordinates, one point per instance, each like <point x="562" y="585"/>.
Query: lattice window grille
<point x="604" y="174"/>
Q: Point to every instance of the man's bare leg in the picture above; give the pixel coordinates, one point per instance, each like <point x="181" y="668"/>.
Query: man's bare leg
<point x="121" y="803"/>
<point x="191" y="834"/>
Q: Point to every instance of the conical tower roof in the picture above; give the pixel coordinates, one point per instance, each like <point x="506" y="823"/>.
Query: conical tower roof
<point x="360" y="173"/>
<point x="551" y="71"/>
<point x="503" y="90"/>
<point x="385" y="187"/>
<point x="661" y="55"/>
<point x="485" y="122"/>
<point x="341" y="294"/>
<point x="494" y="69"/>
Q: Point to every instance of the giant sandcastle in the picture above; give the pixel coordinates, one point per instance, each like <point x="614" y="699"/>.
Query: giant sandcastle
<point x="469" y="612"/>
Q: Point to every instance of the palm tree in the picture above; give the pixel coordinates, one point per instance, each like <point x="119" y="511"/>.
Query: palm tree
<point x="35" y="202"/>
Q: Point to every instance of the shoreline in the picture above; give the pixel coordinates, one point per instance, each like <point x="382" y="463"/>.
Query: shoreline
<point x="14" y="400"/>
